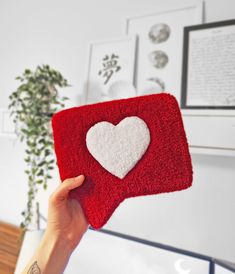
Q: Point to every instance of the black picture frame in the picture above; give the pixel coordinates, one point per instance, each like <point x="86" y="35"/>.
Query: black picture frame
<point x="210" y="260"/>
<point x="185" y="65"/>
<point x="90" y="246"/>
<point x="224" y="264"/>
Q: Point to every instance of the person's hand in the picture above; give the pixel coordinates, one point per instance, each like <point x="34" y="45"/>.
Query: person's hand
<point x="66" y="220"/>
<point x="65" y="227"/>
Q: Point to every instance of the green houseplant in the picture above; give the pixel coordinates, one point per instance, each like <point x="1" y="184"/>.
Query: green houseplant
<point x="32" y="106"/>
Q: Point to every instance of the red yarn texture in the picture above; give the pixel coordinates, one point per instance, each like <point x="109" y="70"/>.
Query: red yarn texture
<point x="165" y="167"/>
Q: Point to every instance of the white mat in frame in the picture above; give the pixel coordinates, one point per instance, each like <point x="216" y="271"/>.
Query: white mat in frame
<point x="159" y="46"/>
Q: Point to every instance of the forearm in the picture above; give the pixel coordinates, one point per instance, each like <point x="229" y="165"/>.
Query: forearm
<point x="51" y="256"/>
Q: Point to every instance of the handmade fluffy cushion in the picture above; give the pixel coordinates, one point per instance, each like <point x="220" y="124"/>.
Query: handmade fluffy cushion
<point x="125" y="148"/>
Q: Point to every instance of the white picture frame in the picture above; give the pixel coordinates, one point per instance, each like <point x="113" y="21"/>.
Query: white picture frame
<point x="159" y="46"/>
<point x="120" y="55"/>
<point x="7" y="127"/>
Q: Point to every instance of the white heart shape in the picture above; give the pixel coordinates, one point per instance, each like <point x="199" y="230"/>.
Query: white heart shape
<point x="118" y="148"/>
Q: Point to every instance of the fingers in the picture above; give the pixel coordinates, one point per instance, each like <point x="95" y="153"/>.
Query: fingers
<point x="62" y="191"/>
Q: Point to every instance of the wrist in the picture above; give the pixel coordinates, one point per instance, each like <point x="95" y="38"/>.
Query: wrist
<point x="65" y="240"/>
<point x="57" y="242"/>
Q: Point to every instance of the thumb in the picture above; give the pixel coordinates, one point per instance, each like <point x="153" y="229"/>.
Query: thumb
<point x="62" y="191"/>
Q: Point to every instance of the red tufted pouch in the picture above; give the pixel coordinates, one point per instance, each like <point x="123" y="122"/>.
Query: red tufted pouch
<point x="125" y="148"/>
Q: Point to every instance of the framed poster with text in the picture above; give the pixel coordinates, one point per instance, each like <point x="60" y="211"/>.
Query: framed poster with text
<point x="208" y="76"/>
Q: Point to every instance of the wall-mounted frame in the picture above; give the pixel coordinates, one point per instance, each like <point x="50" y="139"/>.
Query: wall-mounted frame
<point x="113" y="252"/>
<point x="223" y="267"/>
<point x="7" y="127"/>
<point x="109" y="61"/>
<point x="159" y="46"/>
<point x="208" y="74"/>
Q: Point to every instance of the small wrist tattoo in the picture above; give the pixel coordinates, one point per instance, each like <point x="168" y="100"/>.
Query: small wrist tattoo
<point x="34" y="269"/>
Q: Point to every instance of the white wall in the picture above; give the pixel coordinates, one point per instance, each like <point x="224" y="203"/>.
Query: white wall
<point x="57" y="32"/>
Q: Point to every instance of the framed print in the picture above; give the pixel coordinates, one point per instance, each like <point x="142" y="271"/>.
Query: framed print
<point x="114" y="253"/>
<point x="159" y="47"/>
<point x="111" y="63"/>
<point x="223" y="267"/>
<point x="208" y="77"/>
<point x="7" y="127"/>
